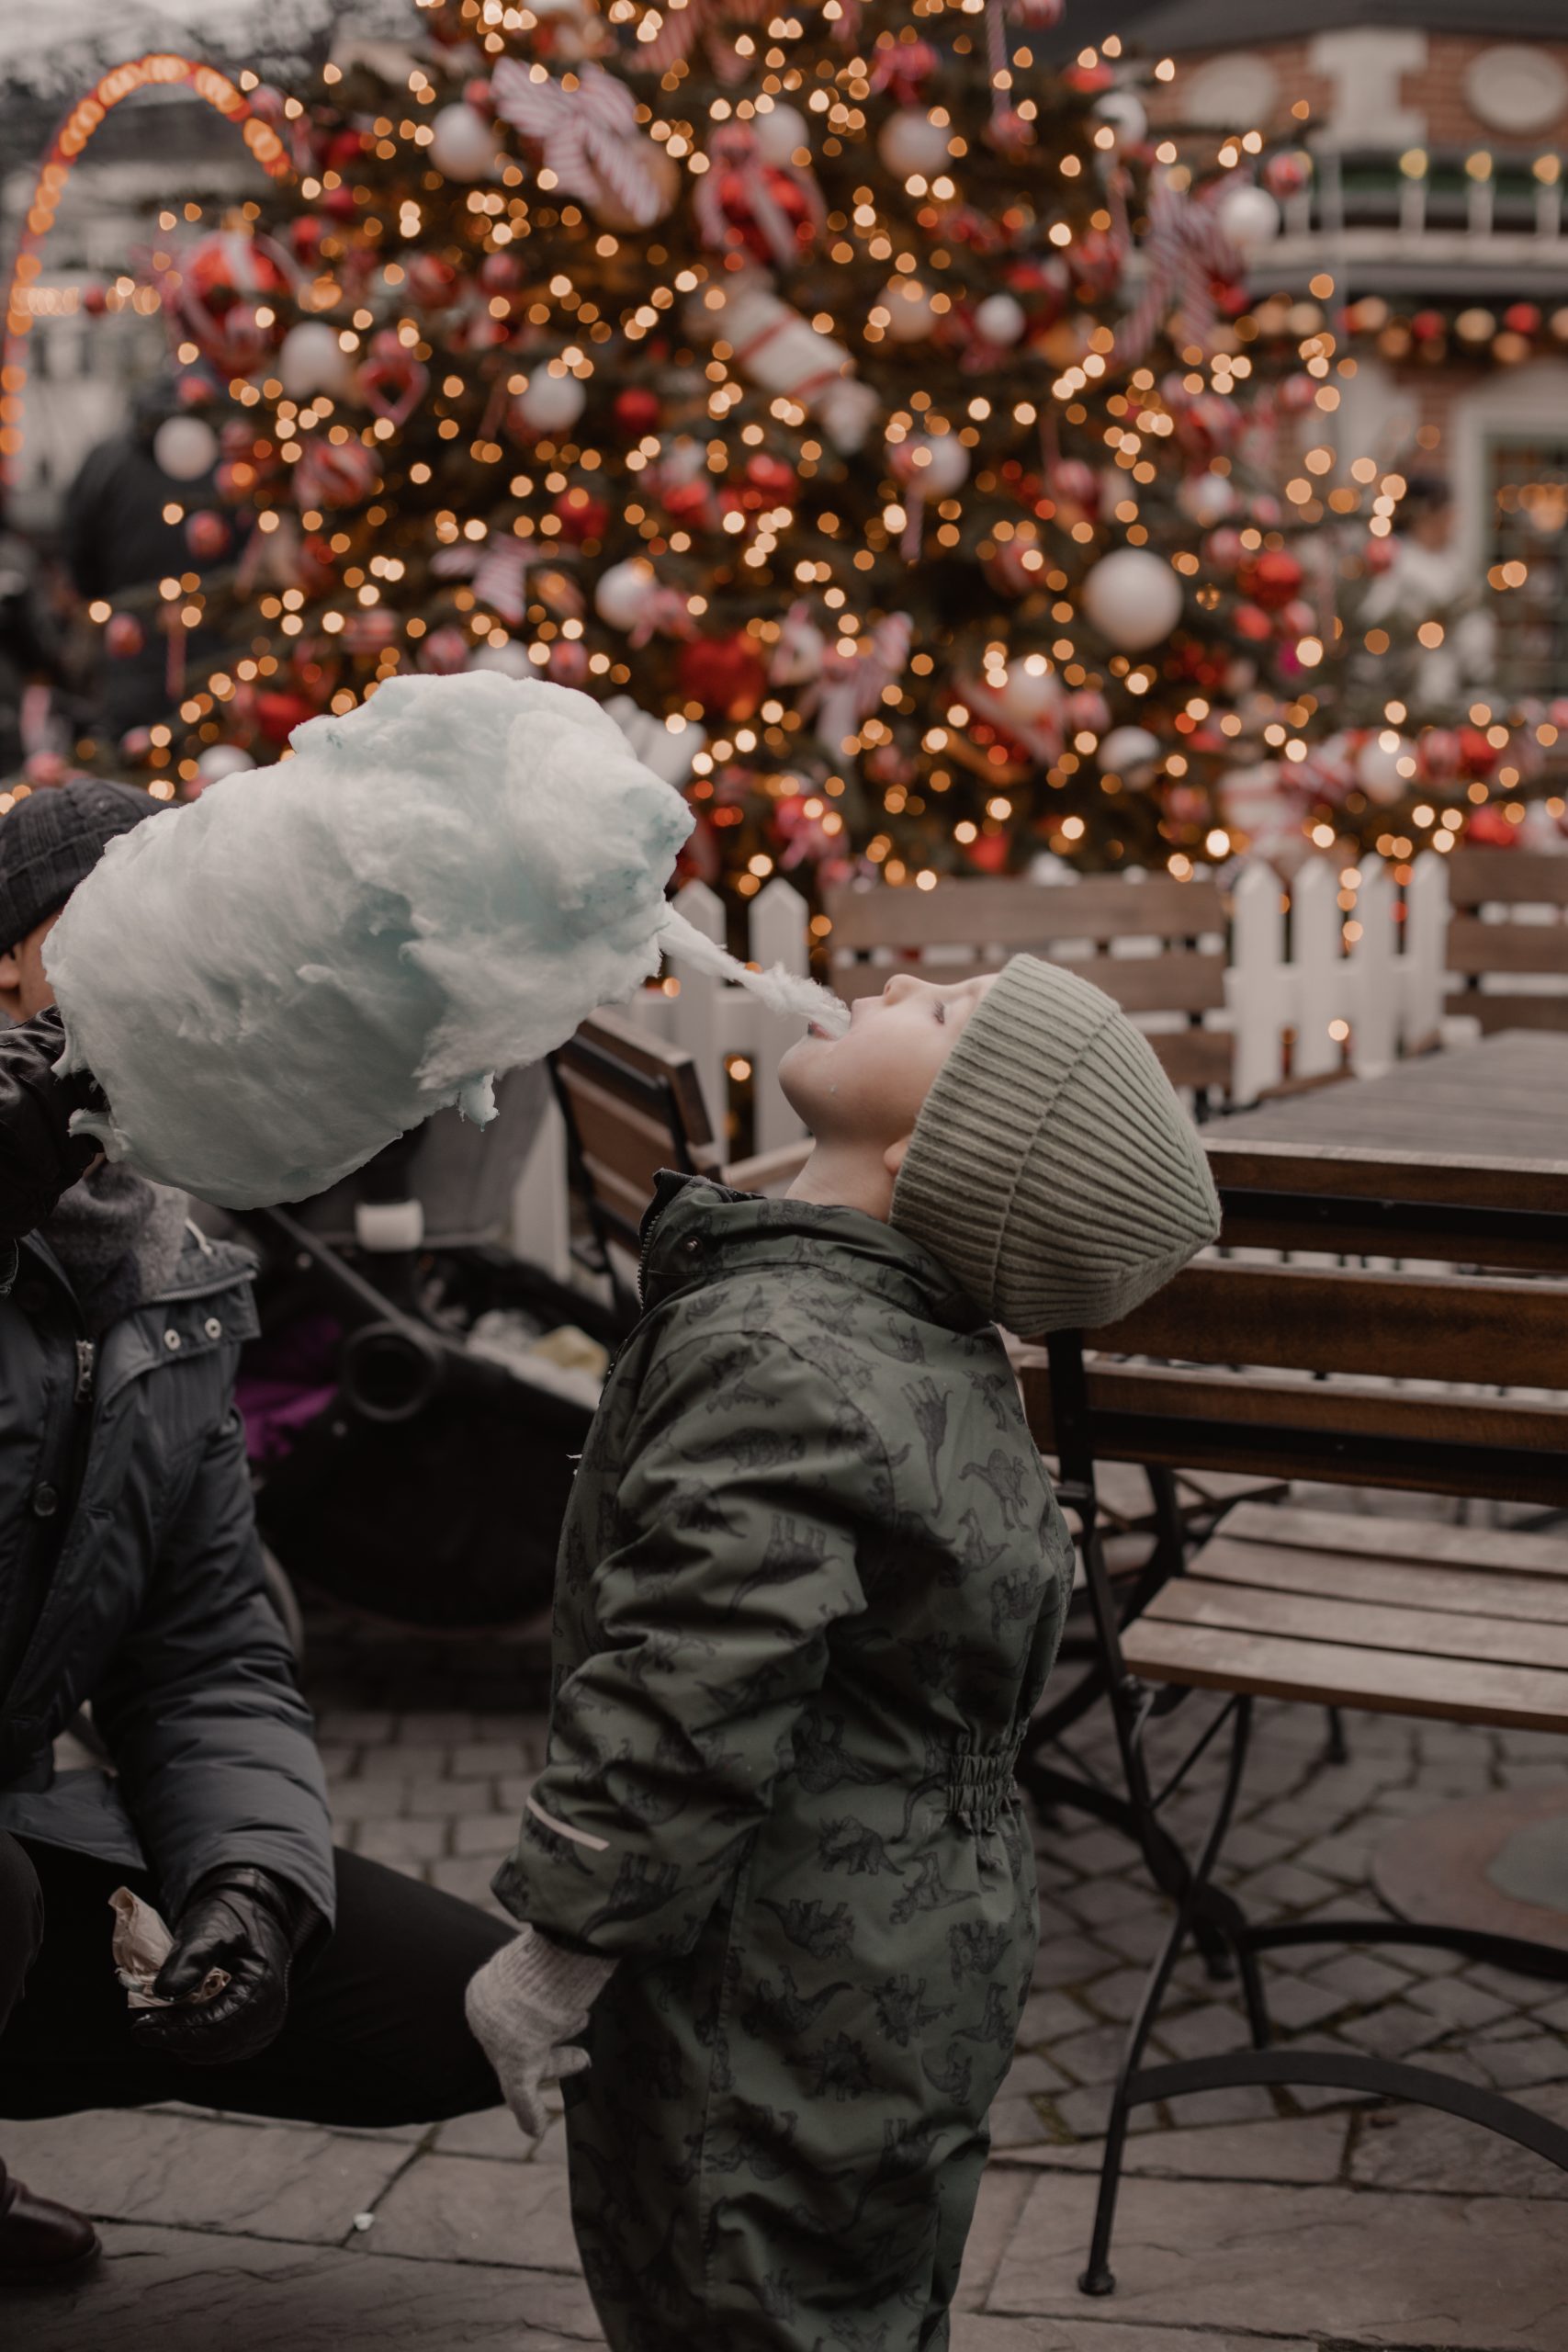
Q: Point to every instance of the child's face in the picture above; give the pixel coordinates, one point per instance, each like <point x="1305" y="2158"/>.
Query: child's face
<point x="867" y="1088"/>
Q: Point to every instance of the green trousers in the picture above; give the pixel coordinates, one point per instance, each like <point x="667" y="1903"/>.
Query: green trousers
<point x="780" y="2141"/>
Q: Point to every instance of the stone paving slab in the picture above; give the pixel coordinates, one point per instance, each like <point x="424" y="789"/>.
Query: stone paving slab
<point x="977" y="2332"/>
<point x="160" y="2288"/>
<point x="1442" y="2273"/>
<point x="294" y="2183"/>
<point x="1299" y="2148"/>
<point x="469" y="2208"/>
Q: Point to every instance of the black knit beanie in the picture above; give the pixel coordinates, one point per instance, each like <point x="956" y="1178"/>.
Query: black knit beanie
<point x="52" y="839"/>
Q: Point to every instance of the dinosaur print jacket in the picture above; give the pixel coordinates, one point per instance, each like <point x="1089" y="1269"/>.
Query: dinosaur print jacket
<point x="810" y="1586"/>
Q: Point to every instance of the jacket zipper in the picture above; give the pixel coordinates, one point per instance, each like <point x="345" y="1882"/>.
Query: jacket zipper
<point x="87" y="1361"/>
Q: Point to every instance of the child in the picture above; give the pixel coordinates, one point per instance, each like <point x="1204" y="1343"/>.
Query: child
<point x="811" y="1585"/>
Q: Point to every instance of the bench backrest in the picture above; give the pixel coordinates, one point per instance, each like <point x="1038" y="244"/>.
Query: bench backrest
<point x="632" y="1105"/>
<point x="1507" y="944"/>
<point x="973" y="924"/>
<point x="1430" y="1379"/>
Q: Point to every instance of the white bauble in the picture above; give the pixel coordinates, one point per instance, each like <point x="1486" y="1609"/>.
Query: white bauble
<point x="1124" y="112"/>
<point x="310" y="359"/>
<point x="625" y="593"/>
<point x="1027" y="696"/>
<point x="936" y="464"/>
<point x="910" y="142"/>
<point x="1378" y="768"/>
<point x="185" y="447"/>
<point x="780" y="132"/>
<point x="464" y="146"/>
<point x="220" y="760"/>
<point x="552" y="403"/>
<point x="1125" y="748"/>
<point x="910" y="314"/>
<point x="510" y="660"/>
<point x="1000" y="319"/>
<point x="1132" y="598"/>
<point x="1208" y="499"/>
<point x="1248" y="216"/>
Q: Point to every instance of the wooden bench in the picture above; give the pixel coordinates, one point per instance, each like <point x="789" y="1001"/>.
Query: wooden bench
<point x="1482" y="950"/>
<point x="1348" y="1377"/>
<point x="973" y="924"/>
<point x="633" y="1106"/>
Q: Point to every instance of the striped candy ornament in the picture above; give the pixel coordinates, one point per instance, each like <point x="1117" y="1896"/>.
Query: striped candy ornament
<point x="1186" y="250"/>
<point x="589" y="136"/>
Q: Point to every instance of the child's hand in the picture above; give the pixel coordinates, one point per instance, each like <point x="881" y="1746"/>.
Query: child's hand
<point x="526" y="2006"/>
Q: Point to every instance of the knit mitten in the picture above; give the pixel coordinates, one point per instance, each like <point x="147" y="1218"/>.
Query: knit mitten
<point x="525" y="2005"/>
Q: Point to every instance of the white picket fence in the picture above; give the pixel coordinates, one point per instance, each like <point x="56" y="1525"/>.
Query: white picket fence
<point x="1299" y="1001"/>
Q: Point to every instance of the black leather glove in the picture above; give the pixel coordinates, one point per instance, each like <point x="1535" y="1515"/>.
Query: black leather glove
<point x="40" y="1158"/>
<point x="251" y="1925"/>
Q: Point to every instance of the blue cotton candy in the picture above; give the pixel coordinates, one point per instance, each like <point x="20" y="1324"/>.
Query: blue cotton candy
<point x="272" y="983"/>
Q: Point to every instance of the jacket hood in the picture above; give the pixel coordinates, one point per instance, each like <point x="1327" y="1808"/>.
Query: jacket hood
<point x="696" y="1232"/>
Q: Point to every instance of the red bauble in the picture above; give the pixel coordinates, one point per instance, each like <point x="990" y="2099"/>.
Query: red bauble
<point x="340" y="203"/>
<point x="1297" y="392"/>
<point x="226" y="282"/>
<point x="786" y="198"/>
<point x="445" y="650"/>
<point x="770" y="482"/>
<point x="988" y="852"/>
<point x="583" y="516"/>
<point x="1490" y="827"/>
<point x="1253" y="623"/>
<point x="1286" y="175"/>
<point x="689" y="501"/>
<point x="335" y="473"/>
<point x="1378" y="555"/>
<point x="123" y="635"/>
<point x="568" y="665"/>
<point x="1521" y="318"/>
<point x="1074" y="483"/>
<point x="1439" y="752"/>
<point x="207" y="534"/>
<point x="94" y="301"/>
<point x="1223" y="549"/>
<point x="433" y="282"/>
<point x="724" y="673"/>
<point x="305" y="236"/>
<point x="1297" y="618"/>
<point x="1479" y="757"/>
<point x="1428" y="326"/>
<point x="501" y="273"/>
<point x="1271" y="579"/>
<point x="344" y="150"/>
<point x="636" y="411"/>
<point x="279" y="713"/>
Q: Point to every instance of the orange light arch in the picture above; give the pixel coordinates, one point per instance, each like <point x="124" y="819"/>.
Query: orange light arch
<point x="161" y="69"/>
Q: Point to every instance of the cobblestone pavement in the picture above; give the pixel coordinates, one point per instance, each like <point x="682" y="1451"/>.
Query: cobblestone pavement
<point x="1297" y="2220"/>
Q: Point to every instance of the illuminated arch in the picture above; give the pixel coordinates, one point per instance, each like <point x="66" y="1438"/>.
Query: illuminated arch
<point x="160" y="70"/>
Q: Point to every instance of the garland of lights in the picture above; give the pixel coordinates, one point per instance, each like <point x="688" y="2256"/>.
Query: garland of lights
<point x="158" y="70"/>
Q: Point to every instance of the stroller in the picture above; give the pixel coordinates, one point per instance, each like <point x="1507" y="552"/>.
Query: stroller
<point x="414" y="1448"/>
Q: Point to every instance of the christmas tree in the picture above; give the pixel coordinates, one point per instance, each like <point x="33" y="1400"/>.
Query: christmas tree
<point x="868" y="411"/>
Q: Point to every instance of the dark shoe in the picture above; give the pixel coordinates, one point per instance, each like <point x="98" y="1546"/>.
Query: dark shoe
<point x="38" y="2239"/>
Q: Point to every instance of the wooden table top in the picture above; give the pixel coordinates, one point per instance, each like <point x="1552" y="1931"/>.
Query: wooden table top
<point x="1481" y="1123"/>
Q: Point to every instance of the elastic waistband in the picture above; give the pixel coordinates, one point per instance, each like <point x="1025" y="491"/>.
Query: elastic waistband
<point x="980" y="1783"/>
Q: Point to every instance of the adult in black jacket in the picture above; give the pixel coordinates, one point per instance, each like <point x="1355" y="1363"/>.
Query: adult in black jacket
<point x="131" y="1575"/>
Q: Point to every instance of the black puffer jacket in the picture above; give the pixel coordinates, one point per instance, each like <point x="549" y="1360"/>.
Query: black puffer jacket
<point x="130" y="1575"/>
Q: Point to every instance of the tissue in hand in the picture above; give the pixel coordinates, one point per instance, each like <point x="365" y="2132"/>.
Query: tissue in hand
<point x="272" y="983"/>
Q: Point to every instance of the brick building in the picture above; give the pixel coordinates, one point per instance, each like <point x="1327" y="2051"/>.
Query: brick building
<point x="1438" y="134"/>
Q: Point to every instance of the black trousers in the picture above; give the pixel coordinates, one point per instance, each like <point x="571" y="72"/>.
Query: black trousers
<point x="376" y="2031"/>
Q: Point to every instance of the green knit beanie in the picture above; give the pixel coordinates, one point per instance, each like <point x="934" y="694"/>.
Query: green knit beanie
<point x="1051" y="1168"/>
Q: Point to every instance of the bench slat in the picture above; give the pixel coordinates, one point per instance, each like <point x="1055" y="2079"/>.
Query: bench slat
<point x="1410" y="1631"/>
<point x="1341" y="1575"/>
<point x="1333" y="1675"/>
<point x="1433" y="1542"/>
